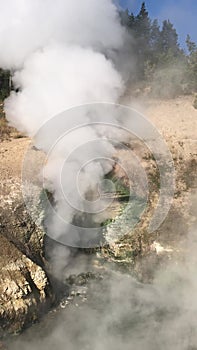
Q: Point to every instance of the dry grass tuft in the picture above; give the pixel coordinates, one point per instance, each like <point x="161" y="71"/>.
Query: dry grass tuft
<point x="7" y="132"/>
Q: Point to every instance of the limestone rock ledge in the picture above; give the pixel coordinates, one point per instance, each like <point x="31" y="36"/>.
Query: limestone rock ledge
<point x="24" y="289"/>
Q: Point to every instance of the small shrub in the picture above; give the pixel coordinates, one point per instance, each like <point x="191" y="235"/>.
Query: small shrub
<point x="168" y="82"/>
<point x="195" y="102"/>
<point x="5" y="129"/>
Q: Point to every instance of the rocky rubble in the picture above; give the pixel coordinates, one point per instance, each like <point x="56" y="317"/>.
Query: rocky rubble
<point x="24" y="289"/>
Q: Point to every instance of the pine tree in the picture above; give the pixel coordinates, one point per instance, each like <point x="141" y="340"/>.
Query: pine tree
<point x="157" y="53"/>
<point x="155" y="36"/>
<point x="132" y="22"/>
<point x="143" y="25"/>
<point x="124" y="17"/>
<point x="191" y="46"/>
<point x="143" y="37"/>
<point x="192" y="63"/>
<point x="169" y="38"/>
<point x="151" y="62"/>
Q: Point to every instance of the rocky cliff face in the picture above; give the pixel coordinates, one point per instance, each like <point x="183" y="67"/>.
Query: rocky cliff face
<point x="25" y="291"/>
<point x="24" y="288"/>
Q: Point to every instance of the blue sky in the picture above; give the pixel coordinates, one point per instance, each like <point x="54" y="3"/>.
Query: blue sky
<point x="182" y="13"/>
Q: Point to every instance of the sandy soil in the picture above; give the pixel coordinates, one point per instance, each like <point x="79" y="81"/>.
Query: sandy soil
<point x="175" y="119"/>
<point x="11" y="156"/>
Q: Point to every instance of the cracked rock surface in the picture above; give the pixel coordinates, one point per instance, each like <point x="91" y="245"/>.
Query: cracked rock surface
<point x="25" y="291"/>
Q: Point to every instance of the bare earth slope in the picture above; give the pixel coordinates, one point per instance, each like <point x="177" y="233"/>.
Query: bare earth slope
<point x="176" y="120"/>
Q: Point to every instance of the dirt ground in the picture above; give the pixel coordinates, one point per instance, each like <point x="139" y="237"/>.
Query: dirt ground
<point x="11" y="157"/>
<point x="175" y="119"/>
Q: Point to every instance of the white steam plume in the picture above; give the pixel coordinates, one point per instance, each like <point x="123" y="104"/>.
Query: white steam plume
<point x="56" y="49"/>
<point x="59" y="52"/>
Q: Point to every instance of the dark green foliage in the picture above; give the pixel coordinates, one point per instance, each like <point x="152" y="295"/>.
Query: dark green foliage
<point x="192" y="63"/>
<point x="140" y="27"/>
<point x="190" y="45"/>
<point x="169" y="39"/>
<point x="4" y="84"/>
<point x="160" y="62"/>
<point x="155" y="38"/>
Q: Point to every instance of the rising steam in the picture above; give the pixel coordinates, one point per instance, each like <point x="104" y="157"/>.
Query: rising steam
<point x="59" y="54"/>
<point x="57" y="51"/>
